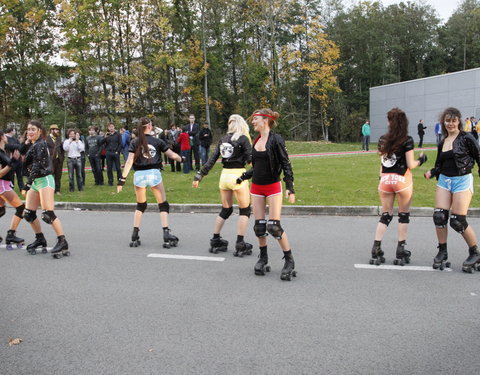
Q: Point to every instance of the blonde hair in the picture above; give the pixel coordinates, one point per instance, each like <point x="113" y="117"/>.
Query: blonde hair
<point x="238" y="126"/>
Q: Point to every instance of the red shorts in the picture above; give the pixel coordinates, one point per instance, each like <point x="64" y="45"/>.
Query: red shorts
<point x="266" y="190"/>
<point x="394" y="183"/>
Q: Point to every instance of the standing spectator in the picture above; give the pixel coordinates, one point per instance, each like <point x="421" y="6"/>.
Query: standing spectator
<point x="13" y="142"/>
<point x="438" y="133"/>
<point x="184" y="142"/>
<point x="193" y="129"/>
<point x="205" y="137"/>
<point x="113" y="147"/>
<point x="471" y="127"/>
<point x="93" y="149"/>
<point x="74" y="146"/>
<point x="475" y="127"/>
<point x="421" y="132"/>
<point x="82" y="155"/>
<point x="365" y="135"/>
<point x="126" y="138"/>
<point x="55" y="148"/>
<point x="456" y="158"/>
<point x="172" y="137"/>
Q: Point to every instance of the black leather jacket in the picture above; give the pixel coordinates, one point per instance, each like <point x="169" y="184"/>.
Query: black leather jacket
<point x="278" y="155"/>
<point x="37" y="161"/>
<point x="465" y="153"/>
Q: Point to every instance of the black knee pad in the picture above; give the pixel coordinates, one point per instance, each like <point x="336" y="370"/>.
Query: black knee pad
<point x="386" y="218"/>
<point x="275" y="229"/>
<point x="29" y="215"/>
<point x="19" y="211"/>
<point x="225" y="212"/>
<point x="2" y="211"/>
<point x="458" y="223"/>
<point x="260" y="228"/>
<point x="245" y="211"/>
<point x="48" y="216"/>
<point x="141" y="206"/>
<point x="164" y="207"/>
<point x="440" y="217"/>
<point x="404" y="217"/>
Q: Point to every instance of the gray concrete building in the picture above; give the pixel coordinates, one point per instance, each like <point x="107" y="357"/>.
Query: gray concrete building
<point x="424" y="99"/>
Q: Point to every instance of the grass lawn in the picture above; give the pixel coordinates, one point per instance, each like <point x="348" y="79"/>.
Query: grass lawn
<point x="345" y="180"/>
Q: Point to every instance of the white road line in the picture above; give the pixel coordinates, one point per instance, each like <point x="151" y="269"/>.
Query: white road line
<point x="398" y="268"/>
<point x="186" y="257"/>
<point x="24" y="247"/>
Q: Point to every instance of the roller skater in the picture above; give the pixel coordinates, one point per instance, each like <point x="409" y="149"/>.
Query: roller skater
<point x="169" y="240"/>
<point x="243" y="248"/>
<point x="236" y="151"/>
<point x="288" y="268"/>
<point x="261" y="265"/>
<point x="472" y="263"/>
<point x="402" y="255"/>
<point x="61" y="248"/>
<point x="377" y="254"/>
<point x="217" y="244"/>
<point x="440" y="261"/>
<point x="145" y="157"/>
<point x="13" y="239"/>
<point x="135" y="238"/>
<point x="40" y="242"/>
<point x="397" y="159"/>
<point x="457" y="154"/>
<point x="269" y="160"/>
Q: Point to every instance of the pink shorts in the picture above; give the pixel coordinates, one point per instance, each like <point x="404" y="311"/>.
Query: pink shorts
<point x="5" y="186"/>
<point x="266" y="190"/>
<point x="394" y="183"/>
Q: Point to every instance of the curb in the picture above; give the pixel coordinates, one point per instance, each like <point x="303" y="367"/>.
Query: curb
<point x="286" y="210"/>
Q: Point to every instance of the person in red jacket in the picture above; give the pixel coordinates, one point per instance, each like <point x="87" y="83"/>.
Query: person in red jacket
<point x="184" y="142"/>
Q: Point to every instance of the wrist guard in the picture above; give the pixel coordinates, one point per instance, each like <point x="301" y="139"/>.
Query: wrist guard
<point x="198" y="177"/>
<point x="121" y="181"/>
<point x="422" y="159"/>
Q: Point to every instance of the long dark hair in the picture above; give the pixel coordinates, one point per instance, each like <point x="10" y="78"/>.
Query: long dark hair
<point x="451" y="113"/>
<point x="142" y="145"/>
<point x="392" y="141"/>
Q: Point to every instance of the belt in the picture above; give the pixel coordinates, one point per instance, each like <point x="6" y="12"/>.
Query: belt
<point x="78" y="157"/>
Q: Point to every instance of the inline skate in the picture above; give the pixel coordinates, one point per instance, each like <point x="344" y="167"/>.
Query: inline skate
<point x="288" y="270"/>
<point x="261" y="265"/>
<point x="377" y="254"/>
<point x="12" y="239"/>
<point x="440" y="261"/>
<point x="472" y="263"/>
<point x="169" y="239"/>
<point x="218" y="244"/>
<point x="403" y="256"/>
<point x="242" y="248"/>
<point x="135" y="238"/>
<point x="61" y="248"/>
<point x="40" y="242"/>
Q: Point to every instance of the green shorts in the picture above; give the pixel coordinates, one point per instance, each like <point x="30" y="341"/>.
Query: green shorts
<point x="43" y="182"/>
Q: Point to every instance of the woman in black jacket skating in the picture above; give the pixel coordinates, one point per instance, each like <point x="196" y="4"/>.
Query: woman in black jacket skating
<point x="236" y="151"/>
<point x="269" y="160"/>
<point x="456" y="157"/>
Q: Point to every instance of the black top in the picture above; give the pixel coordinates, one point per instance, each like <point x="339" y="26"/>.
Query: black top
<point x="37" y="161"/>
<point x="152" y="159"/>
<point x="235" y="154"/>
<point x="262" y="173"/>
<point x="205" y="137"/>
<point x="447" y="162"/>
<point x="113" y="142"/>
<point x="4" y="162"/>
<point x="397" y="163"/>
<point x="93" y="145"/>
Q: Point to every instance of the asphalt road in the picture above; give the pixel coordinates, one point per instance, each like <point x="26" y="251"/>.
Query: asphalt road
<point x="111" y="309"/>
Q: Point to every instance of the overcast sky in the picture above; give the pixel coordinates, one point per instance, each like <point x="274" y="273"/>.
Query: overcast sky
<point x="445" y="8"/>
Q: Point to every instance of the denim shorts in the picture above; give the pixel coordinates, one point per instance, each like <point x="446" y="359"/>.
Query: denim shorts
<point x="149" y="177"/>
<point x="456" y="184"/>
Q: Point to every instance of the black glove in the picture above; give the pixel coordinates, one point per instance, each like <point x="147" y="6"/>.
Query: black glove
<point x="239" y="180"/>
<point x="26" y="187"/>
<point x="422" y="159"/>
<point x="121" y="181"/>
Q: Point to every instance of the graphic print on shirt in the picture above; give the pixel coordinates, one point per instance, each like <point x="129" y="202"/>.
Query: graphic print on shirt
<point x="151" y="152"/>
<point x="389" y="162"/>
<point x="226" y="150"/>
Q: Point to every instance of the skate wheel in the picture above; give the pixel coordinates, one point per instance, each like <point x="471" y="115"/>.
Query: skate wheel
<point x="267" y="268"/>
<point x="9" y="247"/>
<point x="435" y="266"/>
<point x="395" y="261"/>
<point x="33" y="252"/>
<point x="66" y="253"/>
<point x="371" y="261"/>
<point x="235" y="254"/>
<point x="44" y="251"/>
<point x="139" y="242"/>
<point x="382" y="260"/>
<point x="441" y="268"/>
<point x="166" y="246"/>
<point x="294" y="273"/>
<point x="131" y="244"/>
<point x="377" y="262"/>
<point x="407" y="260"/>
<point x="447" y="264"/>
